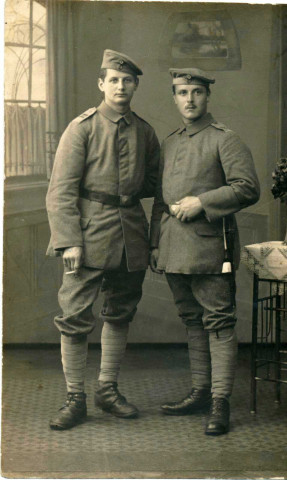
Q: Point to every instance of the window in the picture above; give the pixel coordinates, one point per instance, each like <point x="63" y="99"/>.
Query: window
<point x="25" y="88"/>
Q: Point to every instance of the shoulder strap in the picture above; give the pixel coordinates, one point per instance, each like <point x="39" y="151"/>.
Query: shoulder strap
<point x="221" y="126"/>
<point x="88" y="113"/>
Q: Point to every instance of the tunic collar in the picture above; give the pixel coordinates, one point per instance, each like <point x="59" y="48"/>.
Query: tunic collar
<point x="198" y="125"/>
<point x="112" y="115"/>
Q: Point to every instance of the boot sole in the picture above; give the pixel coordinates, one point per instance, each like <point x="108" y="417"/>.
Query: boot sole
<point x="119" y="415"/>
<point x="65" y="427"/>
<point x="58" y="426"/>
<point x="216" y="433"/>
<point x="181" y="414"/>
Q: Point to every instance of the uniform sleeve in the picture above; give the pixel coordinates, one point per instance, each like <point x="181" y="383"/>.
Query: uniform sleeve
<point x="63" y="193"/>
<point x="158" y="206"/>
<point x="152" y="164"/>
<point x="242" y="186"/>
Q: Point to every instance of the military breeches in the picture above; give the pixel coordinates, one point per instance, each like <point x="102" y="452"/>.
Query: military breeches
<point x="122" y="292"/>
<point x="204" y="299"/>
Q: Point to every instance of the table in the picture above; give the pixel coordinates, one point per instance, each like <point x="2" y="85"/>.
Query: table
<point x="268" y="263"/>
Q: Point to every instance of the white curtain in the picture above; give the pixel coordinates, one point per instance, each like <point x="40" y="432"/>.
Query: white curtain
<point x="25" y="140"/>
<point x="61" y="27"/>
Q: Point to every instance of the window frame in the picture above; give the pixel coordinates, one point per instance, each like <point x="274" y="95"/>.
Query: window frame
<point x="29" y="46"/>
<point x="24" y="181"/>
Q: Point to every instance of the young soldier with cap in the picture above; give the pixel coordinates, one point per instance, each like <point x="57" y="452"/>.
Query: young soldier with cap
<point x="206" y="175"/>
<point x="107" y="160"/>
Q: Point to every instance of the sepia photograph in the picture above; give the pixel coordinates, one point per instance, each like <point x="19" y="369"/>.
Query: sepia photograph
<point x="145" y="240"/>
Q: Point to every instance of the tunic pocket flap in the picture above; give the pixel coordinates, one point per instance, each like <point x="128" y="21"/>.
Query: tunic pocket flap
<point x="209" y="230"/>
<point x="84" y="222"/>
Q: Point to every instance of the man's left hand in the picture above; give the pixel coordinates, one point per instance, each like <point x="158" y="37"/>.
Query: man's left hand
<point x="187" y="208"/>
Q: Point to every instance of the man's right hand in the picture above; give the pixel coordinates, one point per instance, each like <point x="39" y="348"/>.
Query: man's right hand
<point x="153" y="261"/>
<point x="73" y="259"/>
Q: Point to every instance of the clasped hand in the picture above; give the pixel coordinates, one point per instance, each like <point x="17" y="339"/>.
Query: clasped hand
<point x="186" y="208"/>
<point x="73" y="259"/>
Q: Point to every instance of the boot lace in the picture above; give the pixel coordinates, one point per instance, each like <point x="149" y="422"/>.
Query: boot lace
<point x="218" y="406"/>
<point x="76" y="398"/>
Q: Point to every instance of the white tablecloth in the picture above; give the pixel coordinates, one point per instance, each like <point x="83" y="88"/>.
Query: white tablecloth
<point x="268" y="260"/>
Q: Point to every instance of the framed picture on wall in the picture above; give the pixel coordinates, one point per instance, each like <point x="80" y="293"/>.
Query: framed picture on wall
<point x="207" y="40"/>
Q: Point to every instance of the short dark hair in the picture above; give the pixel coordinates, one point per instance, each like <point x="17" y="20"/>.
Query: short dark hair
<point x="206" y="86"/>
<point x="103" y="74"/>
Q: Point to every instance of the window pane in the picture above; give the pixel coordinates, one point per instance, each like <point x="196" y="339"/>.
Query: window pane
<point x="16" y="72"/>
<point x="38" y="75"/>
<point x="17" y="14"/>
<point x="39" y="24"/>
<point x="25" y="122"/>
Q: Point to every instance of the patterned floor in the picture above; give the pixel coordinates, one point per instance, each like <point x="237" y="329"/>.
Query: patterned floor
<point x="152" y="446"/>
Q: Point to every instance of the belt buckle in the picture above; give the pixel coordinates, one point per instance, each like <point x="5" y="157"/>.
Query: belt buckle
<point x="125" y="200"/>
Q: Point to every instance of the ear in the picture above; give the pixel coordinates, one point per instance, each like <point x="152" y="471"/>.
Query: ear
<point x="101" y="84"/>
<point x="136" y="83"/>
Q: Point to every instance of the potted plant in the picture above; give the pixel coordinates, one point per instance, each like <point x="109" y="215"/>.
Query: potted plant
<point x="279" y="187"/>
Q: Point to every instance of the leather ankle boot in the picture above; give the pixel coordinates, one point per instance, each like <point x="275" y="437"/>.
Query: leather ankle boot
<point x="218" y="421"/>
<point x="196" y="401"/>
<point x="73" y="412"/>
<point x="109" y="399"/>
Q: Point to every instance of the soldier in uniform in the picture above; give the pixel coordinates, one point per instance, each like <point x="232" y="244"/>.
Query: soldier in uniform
<point x="206" y="175"/>
<point x="106" y="161"/>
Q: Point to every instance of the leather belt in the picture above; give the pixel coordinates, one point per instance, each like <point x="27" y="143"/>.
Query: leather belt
<point x="115" y="200"/>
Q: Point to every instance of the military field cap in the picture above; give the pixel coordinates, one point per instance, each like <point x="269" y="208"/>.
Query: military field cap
<point x="187" y="76"/>
<point x="119" y="61"/>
